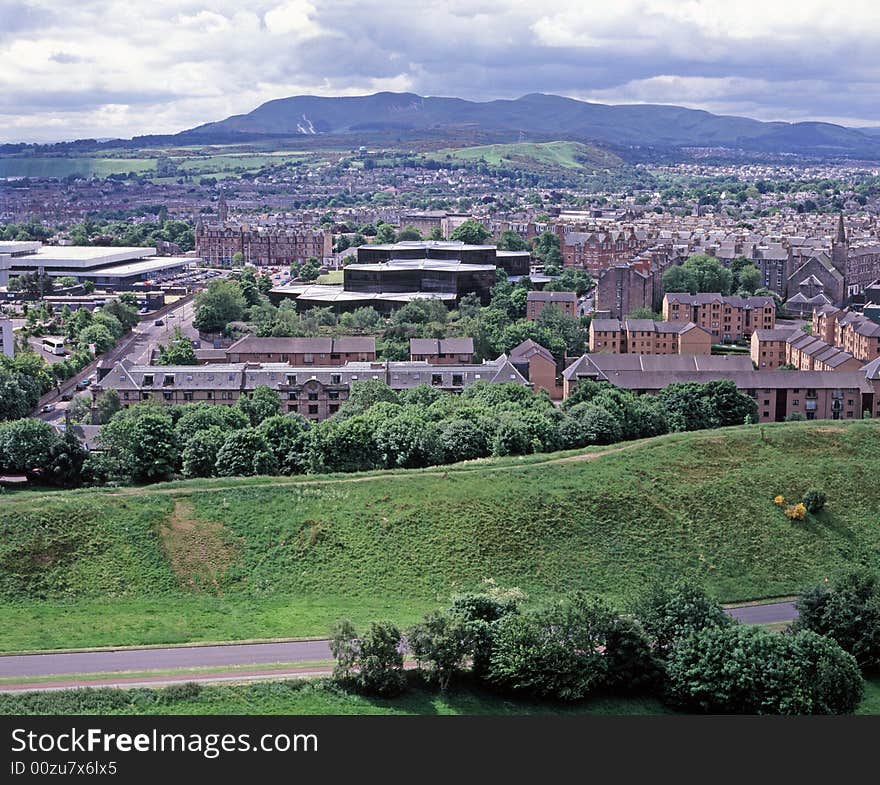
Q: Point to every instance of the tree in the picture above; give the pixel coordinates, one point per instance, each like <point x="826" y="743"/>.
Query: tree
<point x="342" y="445"/>
<point x="373" y="663"/>
<point x="200" y="453"/>
<point x="558" y="652"/>
<point x="407" y="441"/>
<point x="98" y="335"/>
<point x="669" y="614"/>
<point x="222" y="302"/>
<point x="409" y="233"/>
<point x="847" y="611"/>
<point x="463" y="440"/>
<point x="441" y="644"/>
<point x="509" y="240"/>
<point x="244" y="453"/>
<point x="747" y="670"/>
<point x="750" y="279"/>
<point x="26" y="446"/>
<point x="385" y="234"/>
<point x="259" y="405"/>
<point x="700" y="273"/>
<point x="66" y="459"/>
<point x="285" y="436"/>
<point x="179" y="350"/>
<point x="471" y="232"/>
<point x="19" y="394"/>
<point x="201" y="416"/>
<point x="143" y="442"/>
<point x="364" y="394"/>
<point x="106" y="405"/>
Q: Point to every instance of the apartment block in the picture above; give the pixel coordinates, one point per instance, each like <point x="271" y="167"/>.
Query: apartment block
<point x="817" y="395"/>
<point x="538" y="365"/>
<point x="537" y="301"/>
<point x="442" y="351"/>
<point x="314" y="392"/>
<point x="646" y="336"/>
<point x="302" y="351"/>
<point x="726" y="318"/>
<point x="768" y="348"/>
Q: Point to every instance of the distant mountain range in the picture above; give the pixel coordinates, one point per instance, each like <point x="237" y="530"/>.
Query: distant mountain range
<point x="540" y="117"/>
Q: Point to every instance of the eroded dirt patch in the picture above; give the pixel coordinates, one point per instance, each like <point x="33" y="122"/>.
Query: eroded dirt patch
<point x="199" y="552"/>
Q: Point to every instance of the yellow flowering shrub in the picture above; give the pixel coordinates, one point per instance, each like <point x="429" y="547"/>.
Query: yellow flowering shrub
<point x="779" y="500"/>
<point x="796" y="512"/>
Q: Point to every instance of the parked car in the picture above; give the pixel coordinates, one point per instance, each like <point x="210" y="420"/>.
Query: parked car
<point x="47" y="407"/>
<point x="159" y="323"/>
<point x="68" y="396"/>
<point x="83" y="384"/>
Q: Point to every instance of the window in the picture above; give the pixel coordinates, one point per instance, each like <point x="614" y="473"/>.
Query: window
<point x="167" y="395"/>
<point x="313" y="408"/>
<point x="335" y="378"/>
<point x="125" y="396"/>
<point x="766" y="402"/>
<point x="291" y="378"/>
<point x="168" y="380"/>
<point x="334" y="407"/>
<point x="308" y="358"/>
<point x="209" y="395"/>
<point x="148" y="380"/>
<point x="333" y="395"/>
<point x="457" y="380"/>
<point x="313" y="396"/>
<point x="334" y="356"/>
<point x="188" y="396"/>
<point x="796" y="402"/>
<point x="766" y="414"/>
<point x="436" y="379"/>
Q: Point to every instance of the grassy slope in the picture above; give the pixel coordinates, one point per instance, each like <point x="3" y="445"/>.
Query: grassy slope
<point x="305" y="697"/>
<point x="231" y="560"/>
<point x="531" y="155"/>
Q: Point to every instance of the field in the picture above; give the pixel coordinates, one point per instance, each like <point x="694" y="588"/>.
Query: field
<point x="188" y="162"/>
<point x="318" y="697"/>
<point x="261" y="558"/>
<point x="530" y="155"/>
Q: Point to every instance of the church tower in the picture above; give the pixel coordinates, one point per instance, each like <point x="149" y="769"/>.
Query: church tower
<point x="222" y="209"/>
<point x="840" y="247"/>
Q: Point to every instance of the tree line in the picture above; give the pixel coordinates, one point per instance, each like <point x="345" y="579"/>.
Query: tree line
<point x="675" y="642"/>
<point x="376" y="428"/>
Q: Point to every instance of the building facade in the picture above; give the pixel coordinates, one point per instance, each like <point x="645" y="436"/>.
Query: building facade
<point x="646" y="336"/>
<point x="725" y="318"/>
<point x="442" y="351"/>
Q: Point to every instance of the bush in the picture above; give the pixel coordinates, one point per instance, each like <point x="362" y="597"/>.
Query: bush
<point x="796" y="512"/>
<point x="848" y="612"/>
<point x="748" y="670"/>
<point x="814" y="500"/>
<point x="371" y="664"/>
<point x="670" y="614"/>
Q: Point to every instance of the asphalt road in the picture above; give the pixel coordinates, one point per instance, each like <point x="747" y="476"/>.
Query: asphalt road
<point x="110" y="661"/>
<point x="137" y="346"/>
<point x="244" y="654"/>
<point x="765" y="614"/>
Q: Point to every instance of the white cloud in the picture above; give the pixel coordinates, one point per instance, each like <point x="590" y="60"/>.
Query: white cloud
<point x="108" y="67"/>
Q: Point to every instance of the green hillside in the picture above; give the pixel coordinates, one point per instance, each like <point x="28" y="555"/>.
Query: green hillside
<point x="529" y="155"/>
<point x="225" y="559"/>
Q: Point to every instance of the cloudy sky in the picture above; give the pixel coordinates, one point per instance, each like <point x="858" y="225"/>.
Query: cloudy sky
<point x="98" y="68"/>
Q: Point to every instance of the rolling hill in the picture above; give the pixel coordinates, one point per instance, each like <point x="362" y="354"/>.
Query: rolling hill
<point x="541" y="117"/>
<point x="280" y="557"/>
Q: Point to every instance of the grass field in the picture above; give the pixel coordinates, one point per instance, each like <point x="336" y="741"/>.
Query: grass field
<point x="531" y="155"/>
<point x="62" y="167"/>
<point x="304" y="697"/>
<point x="261" y="558"/>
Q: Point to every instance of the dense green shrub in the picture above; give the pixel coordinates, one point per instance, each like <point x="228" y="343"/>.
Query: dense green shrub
<point x="814" y="500"/>
<point x="847" y="611"/>
<point x="748" y="670"/>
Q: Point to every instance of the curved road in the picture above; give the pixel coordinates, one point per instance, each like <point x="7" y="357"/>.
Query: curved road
<point x="27" y="666"/>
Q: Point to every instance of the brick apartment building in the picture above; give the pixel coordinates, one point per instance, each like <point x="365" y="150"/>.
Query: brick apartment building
<point x="850" y="331"/>
<point x="624" y="288"/>
<point x="646" y="336"/>
<point x="726" y="318"/>
<point x="596" y="251"/>
<point x="536" y="302"/>
<point x="793" y="348"/>
<point x="314" y="392"/>
<point x="817" y="395"/>
<point x="302" y="351"/>
<point x="442" y="351"/>
<point x="537" y="365"/>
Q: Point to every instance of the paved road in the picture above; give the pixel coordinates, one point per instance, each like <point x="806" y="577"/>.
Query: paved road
<point x="27" y="665"/>
<point x="765" y="614"/>
<point x="114" y="661"/>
